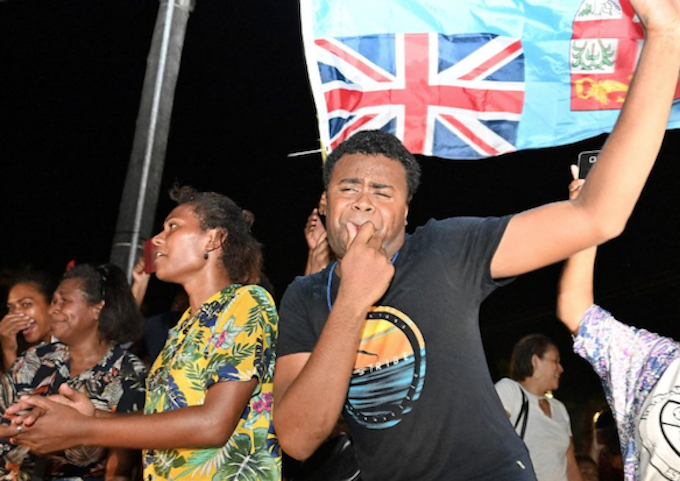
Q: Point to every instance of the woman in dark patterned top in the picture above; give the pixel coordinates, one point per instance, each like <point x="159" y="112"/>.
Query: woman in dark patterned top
<point x="27" y="322"/>
<point x="92" y="314"/>
<point x="209" y="398"/>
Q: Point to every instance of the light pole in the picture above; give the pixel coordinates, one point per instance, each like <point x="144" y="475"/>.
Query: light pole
<point x="145" y="170"/>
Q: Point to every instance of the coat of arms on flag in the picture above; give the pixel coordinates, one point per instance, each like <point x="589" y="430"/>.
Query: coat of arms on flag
<point x="606" y="42"/>
<point x="445" y="95"/>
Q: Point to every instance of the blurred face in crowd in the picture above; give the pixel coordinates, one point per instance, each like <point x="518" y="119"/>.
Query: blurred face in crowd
<point x="26" y="301"/>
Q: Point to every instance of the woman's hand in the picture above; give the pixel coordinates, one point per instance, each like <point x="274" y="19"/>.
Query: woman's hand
<point x="314" y="229"/>
<point x="74" y="399"/>
<point x="576" y="184"/>
<point x="49" y="426"/>
<point x="140" y="281"/>
<point x="319" y="254"/>
<point x="10" y="327"/>
<point x="26" y="413"/>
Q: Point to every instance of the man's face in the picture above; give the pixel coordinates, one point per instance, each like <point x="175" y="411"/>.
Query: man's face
<point x="362" y="189"/>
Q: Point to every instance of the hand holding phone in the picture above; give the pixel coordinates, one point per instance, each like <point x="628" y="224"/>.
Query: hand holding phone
<point x="586" y="160"/>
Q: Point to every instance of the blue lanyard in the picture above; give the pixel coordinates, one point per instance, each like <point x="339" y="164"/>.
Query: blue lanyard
<point x="330" y="279"/>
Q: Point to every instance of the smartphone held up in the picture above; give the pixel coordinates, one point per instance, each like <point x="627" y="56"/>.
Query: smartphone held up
<point x="149" y="257"/>
<point x="586" y="160"/>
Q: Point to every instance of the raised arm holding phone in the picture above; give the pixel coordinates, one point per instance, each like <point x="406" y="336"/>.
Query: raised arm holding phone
<point x="639" y="370"/>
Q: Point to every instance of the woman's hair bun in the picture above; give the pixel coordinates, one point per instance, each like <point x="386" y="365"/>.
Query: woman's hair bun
<point x="249" y="217"/>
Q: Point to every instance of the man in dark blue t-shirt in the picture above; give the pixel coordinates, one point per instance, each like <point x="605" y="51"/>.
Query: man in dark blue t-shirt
<point x="389" y="333"/>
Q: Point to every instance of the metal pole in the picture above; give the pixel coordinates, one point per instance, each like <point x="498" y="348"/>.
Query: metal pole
<point x="145" y="170"/>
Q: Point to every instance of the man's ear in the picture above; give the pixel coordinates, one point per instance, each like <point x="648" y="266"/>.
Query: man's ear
<point x="322" y="204"/>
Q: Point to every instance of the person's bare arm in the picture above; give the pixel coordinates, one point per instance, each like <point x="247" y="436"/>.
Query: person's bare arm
<point x="140" y="281"/>
<point x="60" y="427"/>
<point x="575" y="288"/>
<point x="573" y="473"/>
<point x="310" y="388"/>
<point x="547" y="234"/>
<point x="120" y="464"/>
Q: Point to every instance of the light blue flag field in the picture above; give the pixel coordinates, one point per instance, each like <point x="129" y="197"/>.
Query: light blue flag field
<point x="471" y="79"/>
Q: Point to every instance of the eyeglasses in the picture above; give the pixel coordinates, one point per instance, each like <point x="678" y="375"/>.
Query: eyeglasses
<point x="103" y="277"/>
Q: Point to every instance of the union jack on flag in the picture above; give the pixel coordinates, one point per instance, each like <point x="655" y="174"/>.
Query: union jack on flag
<point x="452" y="96"/>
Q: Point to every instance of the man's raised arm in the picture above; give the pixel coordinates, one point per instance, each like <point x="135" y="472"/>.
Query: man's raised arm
<point x="550" y="233"/>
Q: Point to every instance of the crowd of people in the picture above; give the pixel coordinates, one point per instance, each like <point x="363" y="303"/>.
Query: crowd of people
<point x="381" y="336"/>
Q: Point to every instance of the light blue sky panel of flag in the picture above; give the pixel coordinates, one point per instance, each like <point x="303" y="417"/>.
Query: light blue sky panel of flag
<point x="470" y="79"/>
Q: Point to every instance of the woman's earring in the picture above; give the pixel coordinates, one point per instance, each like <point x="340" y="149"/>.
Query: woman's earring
<point x="205" y="255"/>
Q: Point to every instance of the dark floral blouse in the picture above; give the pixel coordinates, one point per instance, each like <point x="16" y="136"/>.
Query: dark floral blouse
<point x="116" y="383"/>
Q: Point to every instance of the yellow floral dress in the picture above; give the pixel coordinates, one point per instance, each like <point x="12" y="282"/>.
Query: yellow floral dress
<point x="231" y="338"/>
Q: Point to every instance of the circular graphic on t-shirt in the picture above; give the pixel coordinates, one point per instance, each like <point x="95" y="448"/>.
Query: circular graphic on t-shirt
<point x="670" y="424"/>
<point x="389" y="370"/>
<point x="659" y="428"/>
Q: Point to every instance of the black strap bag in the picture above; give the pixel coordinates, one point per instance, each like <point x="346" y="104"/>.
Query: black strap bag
<point x="523" y="415"/>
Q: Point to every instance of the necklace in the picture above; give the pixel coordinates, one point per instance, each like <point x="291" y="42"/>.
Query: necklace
<point x="330" y="280"/>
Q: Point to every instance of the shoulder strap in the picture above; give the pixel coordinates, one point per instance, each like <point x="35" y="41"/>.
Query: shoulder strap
<point x="523" y="414"/>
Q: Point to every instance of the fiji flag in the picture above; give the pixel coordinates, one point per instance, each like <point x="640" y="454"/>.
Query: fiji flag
<point x="473" y="79"/>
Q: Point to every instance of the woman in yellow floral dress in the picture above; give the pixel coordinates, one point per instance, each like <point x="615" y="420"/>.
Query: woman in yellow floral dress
<point x="208" y="412"/>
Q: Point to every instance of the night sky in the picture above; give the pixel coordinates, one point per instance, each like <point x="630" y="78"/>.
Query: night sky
<point x="71" y="74"/>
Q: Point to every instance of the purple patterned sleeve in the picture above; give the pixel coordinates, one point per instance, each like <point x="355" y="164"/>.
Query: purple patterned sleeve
<point x="629" y="361"/>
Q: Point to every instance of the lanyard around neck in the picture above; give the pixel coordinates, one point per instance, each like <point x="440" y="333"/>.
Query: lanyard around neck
<point x="330" y="280"/>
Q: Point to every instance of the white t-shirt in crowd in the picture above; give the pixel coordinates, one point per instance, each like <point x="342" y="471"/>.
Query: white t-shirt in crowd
<point x="547" y="438"/>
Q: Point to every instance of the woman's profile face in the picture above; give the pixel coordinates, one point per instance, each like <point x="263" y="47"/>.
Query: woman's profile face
<point x="72" y="316"/>
<point x="549" y="369"/>
<point x="181" y="245"/>
<point x="26" y="299"/>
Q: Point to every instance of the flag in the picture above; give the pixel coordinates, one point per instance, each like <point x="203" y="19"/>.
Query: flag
<point x="473" y="79"/>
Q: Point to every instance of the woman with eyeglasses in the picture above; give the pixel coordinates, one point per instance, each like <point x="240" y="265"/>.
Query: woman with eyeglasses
<point x="92" y="314"/>
<point x="208" y="411"/>
<point x="539" y="419"/>
<point x="27" y="320"/>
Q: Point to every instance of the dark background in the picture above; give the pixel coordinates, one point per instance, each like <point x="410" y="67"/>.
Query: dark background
<point x="71" y="74"/>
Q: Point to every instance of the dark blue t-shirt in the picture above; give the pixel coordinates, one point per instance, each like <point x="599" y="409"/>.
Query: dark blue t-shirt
<point x="421" y="403"/>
